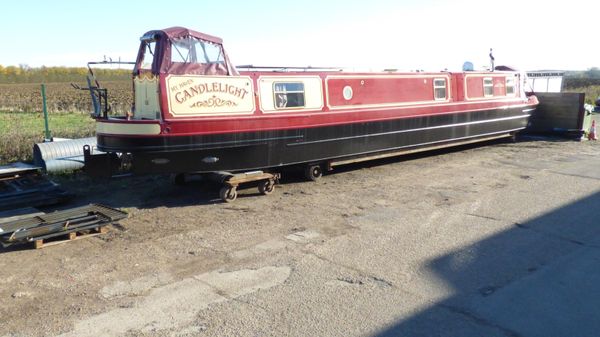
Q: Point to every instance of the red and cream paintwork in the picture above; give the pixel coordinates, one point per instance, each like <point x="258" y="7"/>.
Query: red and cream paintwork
<point x="194" y="112"/>
<point x="194" y="104"/>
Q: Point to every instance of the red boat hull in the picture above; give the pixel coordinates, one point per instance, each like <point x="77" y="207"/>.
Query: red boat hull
<point x="194" y="115"/>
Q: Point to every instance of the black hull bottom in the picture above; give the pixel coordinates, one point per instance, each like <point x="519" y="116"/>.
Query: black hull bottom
<point x="270" y="149"/>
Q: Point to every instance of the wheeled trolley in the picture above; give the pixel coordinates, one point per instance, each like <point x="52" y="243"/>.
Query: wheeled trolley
<point x="231" y="181"/>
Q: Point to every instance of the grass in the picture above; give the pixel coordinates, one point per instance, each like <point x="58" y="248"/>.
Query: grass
<point x="19" y="131"/>
<point x="22" y="123"/>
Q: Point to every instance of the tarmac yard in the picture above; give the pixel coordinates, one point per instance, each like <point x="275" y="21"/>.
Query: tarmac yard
<point x="495" y="240"/>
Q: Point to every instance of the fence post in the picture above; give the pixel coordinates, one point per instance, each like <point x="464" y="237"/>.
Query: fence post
<point x="48" y="137"/>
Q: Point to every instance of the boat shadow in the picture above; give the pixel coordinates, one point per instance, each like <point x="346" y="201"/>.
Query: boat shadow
<point x="538" y="278"/>
<point x="146" y="192"/>
<point x="142" y="192"/>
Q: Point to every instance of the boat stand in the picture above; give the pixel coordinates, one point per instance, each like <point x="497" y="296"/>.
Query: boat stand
<point x="231" y="181"/>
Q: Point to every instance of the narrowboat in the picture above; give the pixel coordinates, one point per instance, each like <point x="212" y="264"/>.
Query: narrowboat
<point x="194" y="111"/>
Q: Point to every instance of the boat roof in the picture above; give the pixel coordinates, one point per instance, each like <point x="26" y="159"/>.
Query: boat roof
<point x="162" y="54"/>
<point x="179" y="32"/>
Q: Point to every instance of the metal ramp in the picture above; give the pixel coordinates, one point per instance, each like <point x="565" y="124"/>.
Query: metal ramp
<point x="90" y="218"/>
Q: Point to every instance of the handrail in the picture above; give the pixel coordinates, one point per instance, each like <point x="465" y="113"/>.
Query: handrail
<point x="285" y="68"/>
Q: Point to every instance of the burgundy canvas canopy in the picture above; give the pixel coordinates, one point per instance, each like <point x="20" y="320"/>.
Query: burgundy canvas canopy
<point x="162" y="62"/>
<point x="179" y="32"/>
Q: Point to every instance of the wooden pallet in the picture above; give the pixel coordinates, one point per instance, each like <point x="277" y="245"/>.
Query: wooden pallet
<point x="73" y="236"/>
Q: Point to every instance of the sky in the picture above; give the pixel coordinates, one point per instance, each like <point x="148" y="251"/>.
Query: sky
<point x="428" y="35"/>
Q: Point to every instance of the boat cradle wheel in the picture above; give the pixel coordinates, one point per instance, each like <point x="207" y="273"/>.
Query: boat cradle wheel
<point x="228" y="193"/>
<point x="313" y="172"/>
<point x="266" y="187"/>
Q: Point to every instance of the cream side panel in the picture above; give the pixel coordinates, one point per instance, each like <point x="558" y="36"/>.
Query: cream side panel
<point x="195" y="95"/>
<point x="127" y="128"/>
<point x="313" y="92"/>
<point x="146" y="98"/>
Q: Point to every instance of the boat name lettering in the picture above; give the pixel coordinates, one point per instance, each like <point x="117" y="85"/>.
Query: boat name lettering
<point x="214" y="87"/>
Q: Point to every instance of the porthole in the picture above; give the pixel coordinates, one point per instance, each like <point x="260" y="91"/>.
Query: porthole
<point x="347" y="92"/>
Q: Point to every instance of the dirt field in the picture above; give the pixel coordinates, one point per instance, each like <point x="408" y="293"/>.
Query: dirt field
<point x="411" y="246"/>
<point x="62" y="97"/>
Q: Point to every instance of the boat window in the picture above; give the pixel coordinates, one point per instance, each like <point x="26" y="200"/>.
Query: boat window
<point x="439" y="88"/>
<point x="510" y="86"/>
<point x="288" y="95"/>
<point x="192" y="50"/>
<point x="148" y="55"/>
<point x="488" y="87"/>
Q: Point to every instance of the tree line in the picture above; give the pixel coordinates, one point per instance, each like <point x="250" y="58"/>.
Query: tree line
<point x="582" y="79"/>
<point x="26" y="74"/>
<point x="575" y="82"/>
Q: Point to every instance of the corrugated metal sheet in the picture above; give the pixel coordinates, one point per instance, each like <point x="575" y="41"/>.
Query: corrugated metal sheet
<point x="66" y="155"/>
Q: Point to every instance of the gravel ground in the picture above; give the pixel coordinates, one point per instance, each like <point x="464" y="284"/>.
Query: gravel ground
<point x="500" y="239"/>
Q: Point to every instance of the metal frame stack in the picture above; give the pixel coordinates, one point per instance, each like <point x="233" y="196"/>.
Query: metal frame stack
<point x="90" y="218"/>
